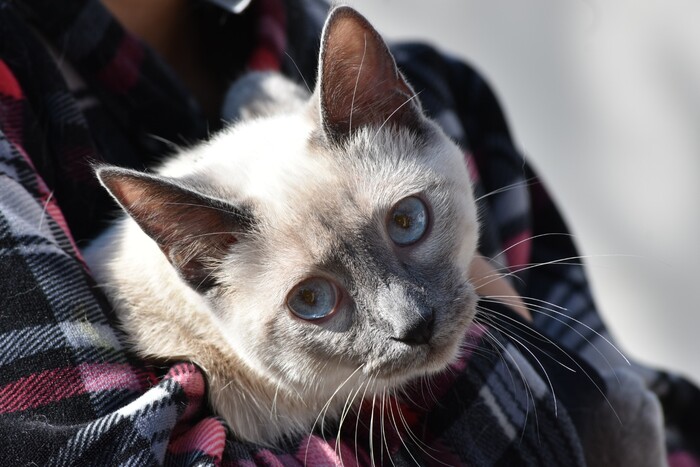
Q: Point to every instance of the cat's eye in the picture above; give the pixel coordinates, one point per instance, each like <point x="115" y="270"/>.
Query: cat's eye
<point x="408" y="221"/>
<point x="313" y="298"/>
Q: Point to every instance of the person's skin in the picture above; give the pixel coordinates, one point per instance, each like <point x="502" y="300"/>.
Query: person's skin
<point x="490" y="283"/>
<point x="165" y="26"/>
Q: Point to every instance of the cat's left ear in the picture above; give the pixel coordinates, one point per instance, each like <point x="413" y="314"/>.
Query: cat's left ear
<point x="358" y="82"/>
<point x="194" y="231"/>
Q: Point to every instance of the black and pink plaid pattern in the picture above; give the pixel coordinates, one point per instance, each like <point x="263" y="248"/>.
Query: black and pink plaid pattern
<point x="71" y="394"/>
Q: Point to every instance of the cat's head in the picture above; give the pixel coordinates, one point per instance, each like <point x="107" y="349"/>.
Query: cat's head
<point x="331" y="242"/>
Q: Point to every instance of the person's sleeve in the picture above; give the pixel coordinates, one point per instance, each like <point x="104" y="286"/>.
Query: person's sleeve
<point x="69" y="394"/>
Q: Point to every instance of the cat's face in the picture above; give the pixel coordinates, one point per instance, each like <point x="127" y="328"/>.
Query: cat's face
<point x="365" y="266"/>
<point x="336" y="244"/>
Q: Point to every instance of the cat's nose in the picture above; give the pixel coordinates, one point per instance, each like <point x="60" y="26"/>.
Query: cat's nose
<point x="419" y="330"/>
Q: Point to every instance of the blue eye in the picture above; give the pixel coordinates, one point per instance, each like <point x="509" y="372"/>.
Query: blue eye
<point x="408" y="221"/>
<point x="313" y="298"/>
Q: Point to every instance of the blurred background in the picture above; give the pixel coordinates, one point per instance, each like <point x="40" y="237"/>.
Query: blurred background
<point x="603" y="98"/>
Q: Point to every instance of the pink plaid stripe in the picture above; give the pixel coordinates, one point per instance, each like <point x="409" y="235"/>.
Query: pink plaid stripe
<point x="471" y="167"/>
<point x="517" y="250"/>
<point x="40" y="389"/>
<point x="103" y="377"/>
<point x="683" y="459"/>
<point x="11" y="125"/>
<point x="316" y="451"/>
<point x="51" y="386"/>
<point x="8" y="84"/>
<point x="124" y="70"/>
<point x="207" y="436"/>
<point x="192" y="382"/>
<point x="271" y="40"/>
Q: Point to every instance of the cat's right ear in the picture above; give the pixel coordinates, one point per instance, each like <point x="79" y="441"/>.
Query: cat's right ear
<point x="193" y="230"/>
<point x="358" y="83"/>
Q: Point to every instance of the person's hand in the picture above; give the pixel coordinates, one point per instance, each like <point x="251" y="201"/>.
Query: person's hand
<point x="489" y="283"/>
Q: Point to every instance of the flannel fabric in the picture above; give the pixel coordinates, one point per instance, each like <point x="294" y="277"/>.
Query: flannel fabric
<point x="76" y="88"/>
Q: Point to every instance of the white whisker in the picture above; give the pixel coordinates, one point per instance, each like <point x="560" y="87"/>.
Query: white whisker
<point x="322" y="413"/>
<point x="590" y="378"/>
<point x="346" y="409"/>
<point x="44" y="207"/>
<point x="383" y="430"/>
<point x="357" y="419"/>
<point x="301" y="75"/>
<point x="526" y="384"/>
<point x="521" y="183"/>
<point x="391" y="115"/>
<point x="371" y="431"/>
<point x="420" y="444"/>
<point x="357" y="82"/>
<point x="544" y="371"/>
<point x="537" y="308"/>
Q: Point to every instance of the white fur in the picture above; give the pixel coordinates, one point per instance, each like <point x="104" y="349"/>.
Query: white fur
<point x="163" y="316"/>
<point x="270" y="373"/>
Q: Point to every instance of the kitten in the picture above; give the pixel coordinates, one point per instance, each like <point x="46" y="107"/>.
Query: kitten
<point x="319" y="245"/>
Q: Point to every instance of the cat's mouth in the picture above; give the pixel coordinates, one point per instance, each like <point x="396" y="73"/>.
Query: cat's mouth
<point x="412" y="363"/>
<point x="404" y="361"/>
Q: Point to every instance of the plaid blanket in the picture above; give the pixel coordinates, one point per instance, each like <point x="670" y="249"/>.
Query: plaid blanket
<point x="76" y="88"/>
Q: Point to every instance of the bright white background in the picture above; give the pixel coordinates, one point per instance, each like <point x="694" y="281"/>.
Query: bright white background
<point x="603" y="96"/>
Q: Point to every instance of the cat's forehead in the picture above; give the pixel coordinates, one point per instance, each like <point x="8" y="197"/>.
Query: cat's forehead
<point x="305" y="189"/>
<point x="384" y="166"/>
<point x="282" y="165"/>
<point x="342" y="195"/>
<point x="353" y="182"/>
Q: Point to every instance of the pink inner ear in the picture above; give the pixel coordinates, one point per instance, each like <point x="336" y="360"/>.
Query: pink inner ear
<point x="193" y="230"/>
<point x="360" y="84"/>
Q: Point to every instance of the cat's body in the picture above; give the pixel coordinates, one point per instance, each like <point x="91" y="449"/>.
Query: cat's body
<point x="302" y="259"/>
<point x="316" y="253"/>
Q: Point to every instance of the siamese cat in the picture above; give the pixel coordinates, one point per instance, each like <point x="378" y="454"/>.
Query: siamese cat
<point x="319" y="245"/>
<point x="315" y="252"/>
